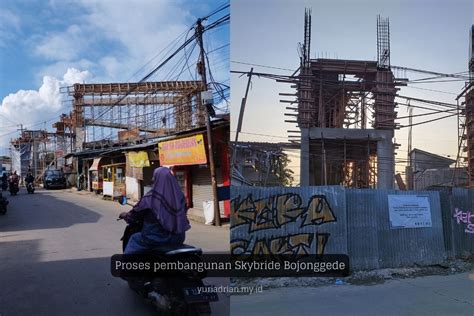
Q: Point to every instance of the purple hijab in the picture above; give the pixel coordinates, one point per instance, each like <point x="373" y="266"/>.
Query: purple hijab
<point x="166" y="201"/>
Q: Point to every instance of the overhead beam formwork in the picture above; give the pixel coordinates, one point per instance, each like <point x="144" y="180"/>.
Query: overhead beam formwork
<point x="171" y="106"/>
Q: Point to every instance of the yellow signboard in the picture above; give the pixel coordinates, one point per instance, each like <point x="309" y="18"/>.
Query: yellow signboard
<point x="138" y="159"/>
<point x="183" y="151"/>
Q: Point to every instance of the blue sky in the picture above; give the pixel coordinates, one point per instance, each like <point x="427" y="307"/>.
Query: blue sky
<point x="429" y="35"/>
<point x="48" y="44"/>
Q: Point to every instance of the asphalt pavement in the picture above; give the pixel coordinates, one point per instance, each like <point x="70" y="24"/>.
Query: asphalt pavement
<point x="430" y="295"/>
<point x="55" y="249"/>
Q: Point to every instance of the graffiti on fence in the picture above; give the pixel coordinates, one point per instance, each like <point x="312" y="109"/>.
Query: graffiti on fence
<point x="276" y="214"/>
<point x="464" y="218"/>
<point x="297" y="244"/>
<point x="278" y="210"/>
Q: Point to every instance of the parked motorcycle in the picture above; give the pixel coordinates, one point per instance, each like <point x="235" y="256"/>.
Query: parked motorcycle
<point x="14" y="188"/>
<point x="3" y="204"/>
<point x="172" y="295"/>
<point x="30" y="187"/>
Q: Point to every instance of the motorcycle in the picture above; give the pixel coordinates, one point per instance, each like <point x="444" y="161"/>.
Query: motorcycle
<point x="172" y="295"/>
<point x="14" y="188"/>
<point x="30" y="187"/>
<point x="3" y="204"/>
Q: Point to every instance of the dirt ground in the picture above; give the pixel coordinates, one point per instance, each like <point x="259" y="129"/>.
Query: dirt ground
<point x="362" y="277"/>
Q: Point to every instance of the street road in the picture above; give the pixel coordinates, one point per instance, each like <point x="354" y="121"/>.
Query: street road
<point x="55" y="249"/>
<point x="431" y="295"/>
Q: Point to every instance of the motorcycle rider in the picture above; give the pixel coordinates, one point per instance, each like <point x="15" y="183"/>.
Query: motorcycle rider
<point x="14" y="179"/>
<point x="4" y="181"/>
<point x="163" y="210"/>
<point x="29" y="178"/>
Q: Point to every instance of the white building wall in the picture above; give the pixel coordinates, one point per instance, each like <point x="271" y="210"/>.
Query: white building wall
<point x="133" y="189"/>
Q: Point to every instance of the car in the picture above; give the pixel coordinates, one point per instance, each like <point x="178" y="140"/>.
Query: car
<point x="54" y="179"/>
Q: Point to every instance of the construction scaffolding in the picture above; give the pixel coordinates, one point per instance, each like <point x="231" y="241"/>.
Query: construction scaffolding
<point x="335" y="97"/>
<point x="466" y="118"/>
<point x="154" y="108"/>
<point x="32" y="152"/>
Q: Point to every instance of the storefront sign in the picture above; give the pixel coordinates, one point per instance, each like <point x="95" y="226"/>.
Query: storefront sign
<point x="138" y="159"/>
<point x="183" y="151"/>
<point x="409" y="211"/>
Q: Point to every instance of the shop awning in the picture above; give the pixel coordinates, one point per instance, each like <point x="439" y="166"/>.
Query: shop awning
<point x="95" y="165"/>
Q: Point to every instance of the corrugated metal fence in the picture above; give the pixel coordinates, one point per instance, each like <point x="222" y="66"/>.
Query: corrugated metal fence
<point x="457" y="205"/>
<point x="335" y="220"/>
<point x="374" y="244"/>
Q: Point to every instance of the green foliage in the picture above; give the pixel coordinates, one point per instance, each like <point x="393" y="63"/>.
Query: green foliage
<point x="284" y="174"/>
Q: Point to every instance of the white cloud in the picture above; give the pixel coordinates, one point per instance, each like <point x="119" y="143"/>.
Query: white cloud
<point x="73" y="76"/>
<point x="59" y="68"/>
<point x="28" y="107"/>
<point x="112" y="67"/>
<point x="65" y="45"/>
<point x="142" y="28"/>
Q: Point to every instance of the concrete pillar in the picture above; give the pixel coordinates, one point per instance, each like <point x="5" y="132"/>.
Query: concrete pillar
<point x="385" y="164"/>
<point x="304" y="158"/>
<point x="80" y="134"/>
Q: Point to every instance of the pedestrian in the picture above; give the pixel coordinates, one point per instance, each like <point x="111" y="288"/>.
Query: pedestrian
<point x="163" y="211"/>
<point x="80" y="182"/>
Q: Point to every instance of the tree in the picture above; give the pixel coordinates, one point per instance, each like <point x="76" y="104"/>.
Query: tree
<point x="284" y="174"/>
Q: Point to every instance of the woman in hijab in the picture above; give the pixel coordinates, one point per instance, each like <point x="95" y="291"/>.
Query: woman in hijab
<point x="163" y="210"/>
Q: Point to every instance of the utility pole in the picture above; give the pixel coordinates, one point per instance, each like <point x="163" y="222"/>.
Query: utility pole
<point x="324" y="165"/>
<point x="11" y="157"/>
<point x="202" y="71"/>
<point x="21" y="129"/>
<point x="34" y="169"/>
<point x="70" y="137"/>
<point x="241" y="117"/>
<point x="410" y="175"/>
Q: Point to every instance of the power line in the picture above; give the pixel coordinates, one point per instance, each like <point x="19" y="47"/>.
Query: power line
<point x="259" y="65"/>
<point x="438" y="74"/>
<point x="215" y="24"/>
<point x="429" y="121"/>
<point x="218" y="48"/>
<point x="425" y="114"/>
<point x="432" y="90"/>
<point x="435" y="81"/>
<point x="5" y="117"/>
<point x="170" y="46"/>
<point x="219" y="9"/>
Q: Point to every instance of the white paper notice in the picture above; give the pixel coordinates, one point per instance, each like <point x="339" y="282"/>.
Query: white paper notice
<point x="409" y="211"/>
